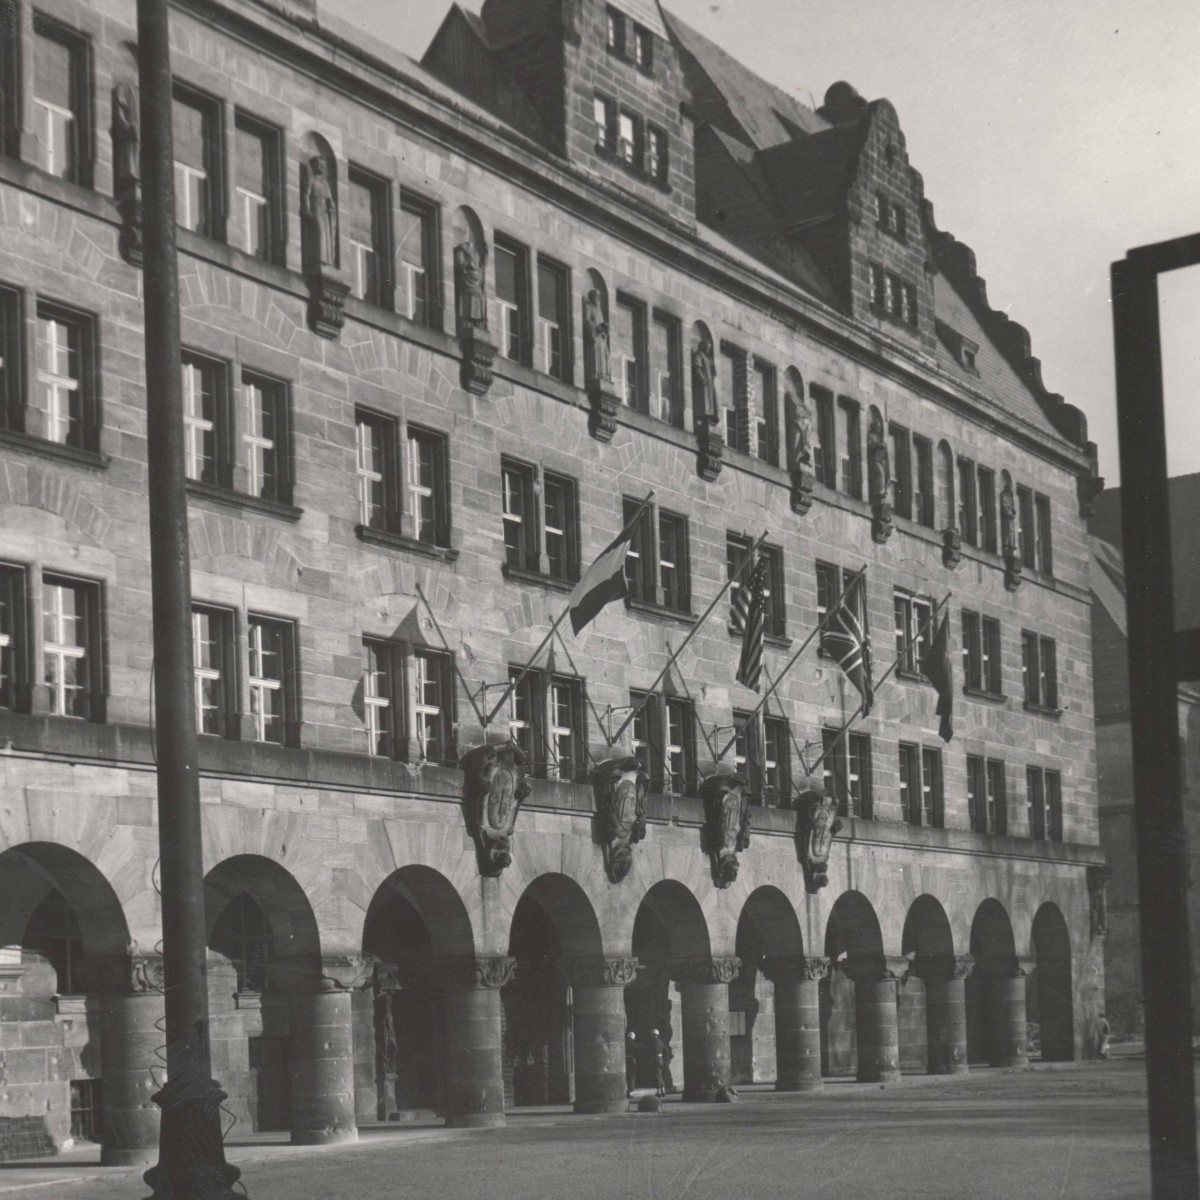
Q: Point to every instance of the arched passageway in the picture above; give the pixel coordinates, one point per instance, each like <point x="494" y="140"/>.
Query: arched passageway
<point x="1048" y="996"/>
<point x="858" y="1002"/>
<point x="931" y="1003"/>
<point x="265" y="1008"/>
<point x="995" y="991"/>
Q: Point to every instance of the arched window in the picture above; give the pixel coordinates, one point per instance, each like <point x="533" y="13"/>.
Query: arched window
<point x="53" y="931"/>
<point x="243" y="936"/>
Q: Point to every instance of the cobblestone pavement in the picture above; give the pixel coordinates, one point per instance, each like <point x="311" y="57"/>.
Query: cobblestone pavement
<point x="1059" y="1133"/>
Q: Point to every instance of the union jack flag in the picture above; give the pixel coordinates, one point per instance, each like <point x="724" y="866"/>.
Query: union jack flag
<point x="749" y="613"/>
<point x="847" y="641"/>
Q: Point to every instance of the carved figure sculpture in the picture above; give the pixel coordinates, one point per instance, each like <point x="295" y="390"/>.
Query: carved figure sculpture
<point x="126" y="134"/>
<point x="493" y="788"/>
<point x="597" y="355"/>
<point x="799" y="432"/>
<point x="1098" y="876"/>
<point x="879" y="463"/>
<point x="320" y="212"/>
<point x="620" y="787"/>
<point x="817" y="824"/>
<point x="726" y="824"/>
<point x="470" y="299"/>
<point x="1008" y="519"/>
<point x="704" y="382"/>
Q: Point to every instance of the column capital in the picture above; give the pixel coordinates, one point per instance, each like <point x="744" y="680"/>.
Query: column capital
<point x="936" y="968"/>
<point x="870" y="969"/>
<point x="494" y="971"/>
<point x="704" y="970"/>
<point x="599" y="972"/>
<point x="794" y="968"/>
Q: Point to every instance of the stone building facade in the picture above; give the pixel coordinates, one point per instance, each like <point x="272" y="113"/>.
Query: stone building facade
<point x="446" y="324"/>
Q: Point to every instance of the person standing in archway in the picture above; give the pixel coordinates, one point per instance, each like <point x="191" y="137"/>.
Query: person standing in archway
<point x="631" y="1053"/>
<point x="1103" y="1033"/>
<point x="659" y="1050"/>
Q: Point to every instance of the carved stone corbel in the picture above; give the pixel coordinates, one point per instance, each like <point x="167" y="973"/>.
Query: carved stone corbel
<point x="711" y="448"/>
<point x="603" y="404"/>
<point x="951" y="547"/>
<point x="478" y="355"/>
<point x="1012" y="568"/>
<point x="726" y="824"/>
<point x="493" y="788"/>
<point x="817" y="824"/>
<point x="801" y="496"/>
<point x="619" y="786"/>
<point x="327" y="292"/>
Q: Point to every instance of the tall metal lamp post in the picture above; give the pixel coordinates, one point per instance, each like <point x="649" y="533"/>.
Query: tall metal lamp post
<point x="1161" y="655"/>
<point x="191" y="1163"/>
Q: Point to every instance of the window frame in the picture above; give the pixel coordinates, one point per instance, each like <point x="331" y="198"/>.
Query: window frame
<point x="275" y="208"/>
<point x="379" y="202"/>
<point x="1039" y="669"/>
<point x="841" y="780"/>
<point x="15" y="639"/>
<point x="968" y="504"/>
<point x="384" y="693"/>
<point x="277" y="394"/>
<point x="212" y="152"/>
<point x="654" y="747"/>
<point x="737" y="548"/>
<point x="646" y="585"/>
<point x="925" y="489"/>
<point x="982" y="665"/>
<point x="228" y="715"/>
<point x="427" y="215"/>
<point x="1043" y="540"/>
<point x="985" y="499"/>
<point x="532" y="556"/>
<point x="902" y="472"/>
<point x="220" y="425"/>
<point x="850" y="452"/>
<point x="561" y="274"/>
<point x="825" y="453"/>
<point x="92" y="693"/>
<point x="635" y="367"/>
<point x="287" y="685"/>
<point x="910" y="611"/>
<point x="82" y="152"/>
<point x="443" y="714"/>
<point x="766" y="414"/>
<point x="671" y="405"/>
<point x="86" y="434"/>
<point x="1043" y="793"/>
<point x="1026" y="535"/>
<point x="515" y="345"/>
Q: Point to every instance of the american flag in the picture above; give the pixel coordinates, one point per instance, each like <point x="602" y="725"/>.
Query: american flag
<point x="749" y="613"/>
<point x="847" y="641"/>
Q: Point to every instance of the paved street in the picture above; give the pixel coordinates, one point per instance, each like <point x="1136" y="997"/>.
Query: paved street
<point x="1058" y="1133"/>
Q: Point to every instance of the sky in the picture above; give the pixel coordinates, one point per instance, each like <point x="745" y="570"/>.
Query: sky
<point x="1053" y="136"/>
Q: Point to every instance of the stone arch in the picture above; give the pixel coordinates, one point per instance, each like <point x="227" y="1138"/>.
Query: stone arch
<point x="853" y="944"/>
<point x="993" y="948"/>
<point x="57" y="495"/>
<point x="944" y="486"/>
<point x="1049" y="987"/>
<point x="314" y="146"/>
<point x="927" y="942"/>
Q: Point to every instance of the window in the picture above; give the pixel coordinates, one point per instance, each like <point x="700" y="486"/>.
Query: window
<point x="265" y="438"/>
<point x="632" y="365"/>
<point x="616" y="31"/>
<point x="825" y="453"/>
<point x="665" y="370"/>
<point x="902" y="493"/>
<point x="629" y="40"/>
<point x="413" y="502"/>
<point x="383" y="689"/>
<point x="734" y="388"/>
<point x="71" y="647"/>
<point x="197" y="139"/>
<point x="258" y="190"/>
<point x="433" y="706"/>
<point x="1044" y="795"/>
<point x="1025" y="528"/>
<point x="546" y="719"/>
<point x="539" y="519"/>
<point x="923" y="492"/>
<point x="981" y="653"/>
<point x="368" y="220"/>
<point x="850" y="442"/>
<point x="12" y="324"/>
<point x="87" y="1110"/>
<point x="271" y="670"/>
<point x="417" y="252"/>
<point x="14" y="639"/>
<point x="512" y="295"/>
<point x="214" y="674"/>
<point x="657" y="567"/>
<point x="605" y="111"/>
<point x="64" y="405"/>
<point x="913" y="620"/>
<point x="1044" y="548"/>
<point x="206" y="420"/>
<point x="777" y="765"/>
<point x="910" y="305"/>
<point x="832" y="583"/>
<point x="892" y="217"/>
<point x="664" y="740"/>
<point x="921" y="798"/>
<point x="968" y="508"/>
<point x="61" y="113"/>
<point x="910" y="783"/>
<point x="242" y="934"/>
<point x="987" y="509"/>
<point x="657" y="157"/>
<point x="767" y="406"/>
<point x="847" y="772"/>
<point x="986" y="799"/>
<point x="629" y="137"/>
<point x="10" y="77"/>
<point x="737" y="548"/>
<point x="643" y="48"/>
<point x="1040" y="671"/>
<point x="554" y="330"/>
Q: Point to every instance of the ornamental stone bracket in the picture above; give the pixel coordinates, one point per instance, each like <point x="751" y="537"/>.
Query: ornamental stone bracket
<point x="1012" y="569"/>
<point x="619" y="786"/>
<point x="951" y="547"/>
<point x="603" y="405"/>
<point x="726" y="830"/>
<point x="711" y="449"/>
<point x="327" y="292"/>
<point x="1098" y="876"/>
<point x="882" y="523"/>
<point x="493" y="787"/>
<point x="704" y="970"/>
<point x="802" y="481"/>
<point x="599" y="972"/>
<point x="146" y="974"/>
<point x="478" y="356"/>
<point x="795" y="969"/>
<point x="817" y="824"/>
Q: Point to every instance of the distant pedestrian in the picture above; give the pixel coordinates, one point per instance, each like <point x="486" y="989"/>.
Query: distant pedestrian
<point x="660" y="1050"/>
<point x="1103" y="1033"/>
<point x="631" y="1053"/>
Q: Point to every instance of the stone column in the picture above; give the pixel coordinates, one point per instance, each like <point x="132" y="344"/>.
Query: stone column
<point x="366" y="1096"/>
<point x="704" y="988"/>
<point x="322" y="1055"/>
<point x="1003" y="987"/>
<point x="875" y="1021"/>
<point x="797" y="1021"/>
<point x="598" y="988"/>
<point x="474" y="1071"/>
<point x="946" y="1012"/>
<point x="130" y="1040"/>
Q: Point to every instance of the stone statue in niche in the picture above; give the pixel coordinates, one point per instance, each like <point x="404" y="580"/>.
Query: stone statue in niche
<point x="799" y="428"/>
<point x="704" y="382"/>
<point x="817" y="824"/>
<point x="1098" y="876"/>
<point x="1008" y="537"/>
<point x="470" y="299"/>
<point x="320" y="213"/>
<point x="879" y="478"/>
<point x="493" y="788"/>
<point x="726" y="824"/>
<point x="597" y="356"/>
<point x="620" y="787"/>
<point x="127" y="169"/>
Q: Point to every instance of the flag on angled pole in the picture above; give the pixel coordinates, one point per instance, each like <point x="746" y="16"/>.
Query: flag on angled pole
<point x="938" y="668"/>
<point x="749" y="612"/>
<point x="846" y="640"/>
<point x="602" y="582"/>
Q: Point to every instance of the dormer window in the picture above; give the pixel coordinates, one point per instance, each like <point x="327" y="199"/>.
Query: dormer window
<point x="968" y="357"/>
<point x="630" y="41"/>
<point x="892" y="217"/>
<point x="965" y="351"/>
<point x="616" y="31"/>
<point x="643" y="48"/>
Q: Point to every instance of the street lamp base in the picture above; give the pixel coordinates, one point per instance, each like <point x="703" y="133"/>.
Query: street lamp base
<point x="191" y="1154"/>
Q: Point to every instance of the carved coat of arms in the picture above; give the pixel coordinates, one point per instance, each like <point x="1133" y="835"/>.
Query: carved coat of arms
<point x="817" y="823"/>
<point x="726" y="824"/>
<point x="493" y="788"/>
<point x="620" y="786"/>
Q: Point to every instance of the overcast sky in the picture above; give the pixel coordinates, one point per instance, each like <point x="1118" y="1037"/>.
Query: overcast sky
<point x="1052" y="134"/>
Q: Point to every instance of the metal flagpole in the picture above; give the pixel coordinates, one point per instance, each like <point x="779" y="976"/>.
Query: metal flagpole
<point x="690" y="634"/>
<point x="795" y="657"/>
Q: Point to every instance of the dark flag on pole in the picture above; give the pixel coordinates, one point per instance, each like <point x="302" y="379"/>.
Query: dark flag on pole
<point x="602" y="582"/>
<point x="749" y="612"/>
<point x="846" y="640"/>
<point x="938" y="668"/>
